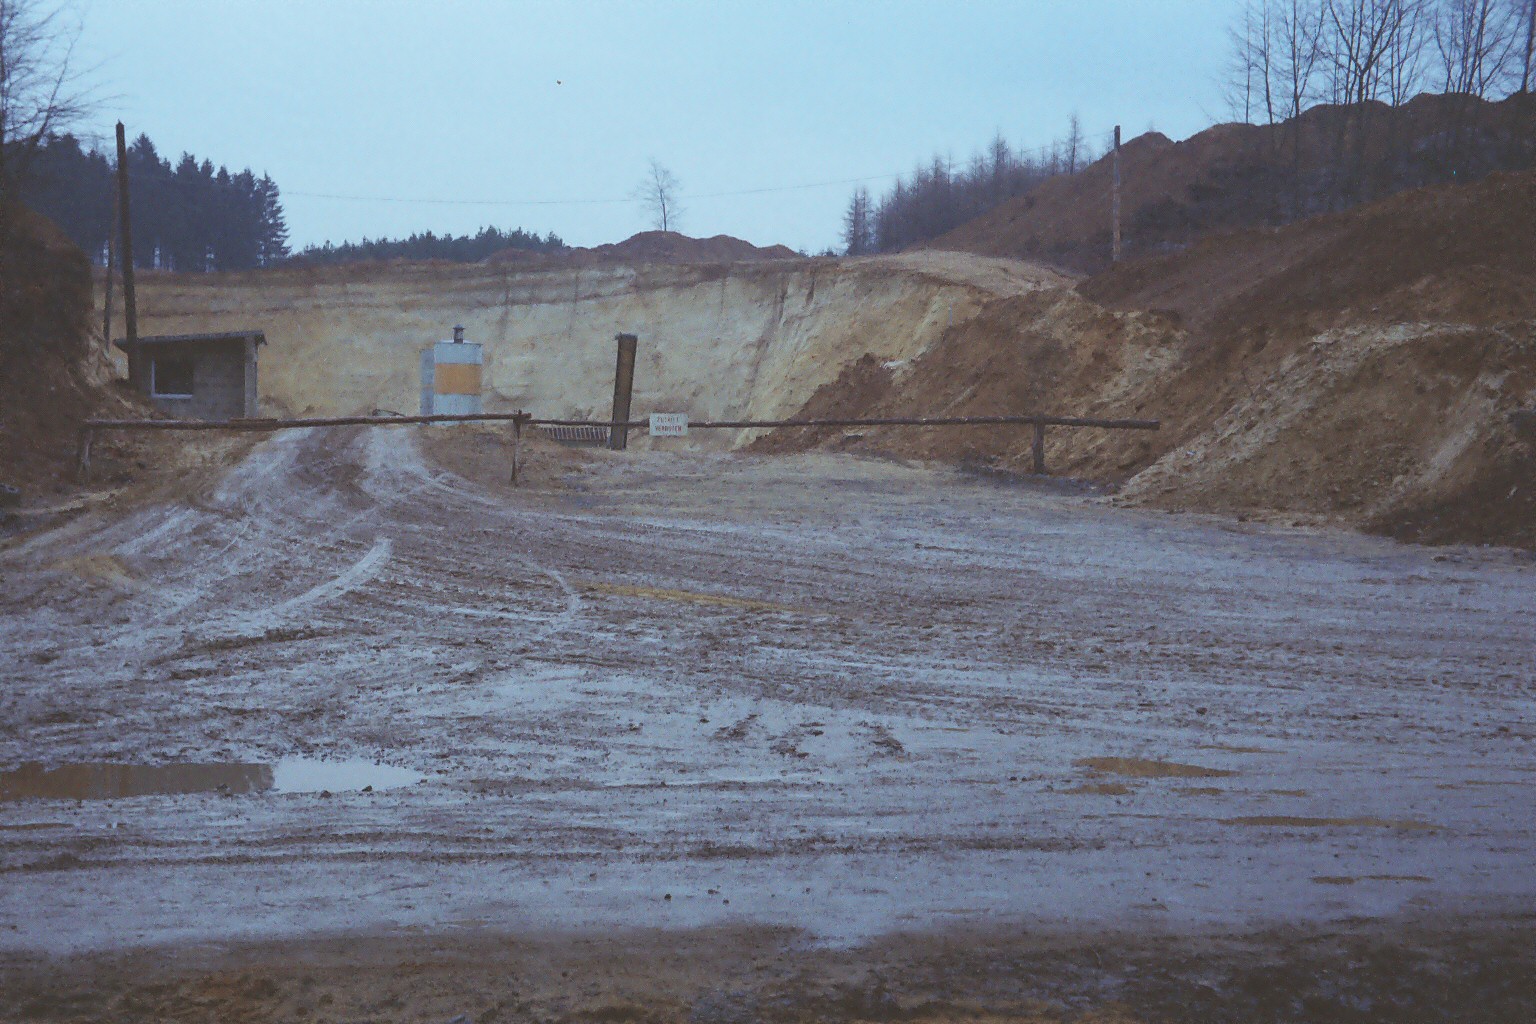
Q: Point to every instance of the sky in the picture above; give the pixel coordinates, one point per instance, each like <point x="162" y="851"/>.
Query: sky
<point x="386" y="117"/>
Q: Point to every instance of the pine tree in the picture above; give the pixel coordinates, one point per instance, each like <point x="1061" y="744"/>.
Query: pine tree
<point x="273" y="245"/>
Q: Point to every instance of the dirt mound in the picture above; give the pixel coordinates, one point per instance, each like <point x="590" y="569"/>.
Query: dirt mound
<point x="1049" y="351"/>
<point x="652" y="247"/>
<point x="1237" y="176"/>
<point x="1386" y="360"/>
<point x="1375" y="368"/>
<point x="53" y="373"/>
<point x="1452" y="253"/>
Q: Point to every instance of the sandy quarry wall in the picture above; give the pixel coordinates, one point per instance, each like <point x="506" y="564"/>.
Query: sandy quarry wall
<point x="736" y="341"/>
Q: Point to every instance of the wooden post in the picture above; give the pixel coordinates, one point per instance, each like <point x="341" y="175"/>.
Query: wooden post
<point x="106" y="305"/>
<point x="623" y="390"/>
<point x="125" y="257"/>
<point x="1115" y="197"/>
<point x="1039" y="449"/>
<point x="83" y="455"/>
<point x="517" y="442"/>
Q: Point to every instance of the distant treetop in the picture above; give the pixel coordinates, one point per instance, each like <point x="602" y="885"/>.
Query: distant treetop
<point x="429" y="246"/>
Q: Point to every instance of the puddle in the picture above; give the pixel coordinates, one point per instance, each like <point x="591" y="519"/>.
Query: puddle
<point x="1293" y="821"/>
<point x="1141" y="768"/>
<point x="118" y="781"/>
<point x="296" y="775"/>
<point x="1100" y="789"/>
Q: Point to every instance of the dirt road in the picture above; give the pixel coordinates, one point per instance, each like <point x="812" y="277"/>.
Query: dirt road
<point x="685" y="691"/>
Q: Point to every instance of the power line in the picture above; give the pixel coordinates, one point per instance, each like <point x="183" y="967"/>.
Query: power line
<point x="583" y="202"/>
<point x="1043" y="150"/>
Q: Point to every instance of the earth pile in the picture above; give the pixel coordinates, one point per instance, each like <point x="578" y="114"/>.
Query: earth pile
<point x="1375" y="368"/>
<point x="1235" y="176"/>
<point x="53" y="372"/>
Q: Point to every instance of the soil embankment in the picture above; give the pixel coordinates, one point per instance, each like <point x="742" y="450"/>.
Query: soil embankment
<point x="53" y="372"/>
<point x="1375" y="368"/>
<point x="1235" y="176"/>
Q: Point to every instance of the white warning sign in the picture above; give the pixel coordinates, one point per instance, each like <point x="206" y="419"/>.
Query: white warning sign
<point x="669" y="424"/>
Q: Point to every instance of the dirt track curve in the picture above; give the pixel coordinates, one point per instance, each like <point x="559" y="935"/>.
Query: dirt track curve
<point x="843" y="695"/>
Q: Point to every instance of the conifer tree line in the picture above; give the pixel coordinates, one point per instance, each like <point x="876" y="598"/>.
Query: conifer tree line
<point x="193" y="217"/>
<point x="429" y="246"/>
<point x="939" y="196"/>
<point x="187" y="217"/>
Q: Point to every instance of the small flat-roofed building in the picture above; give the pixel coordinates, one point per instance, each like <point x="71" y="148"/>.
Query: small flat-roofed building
<point x="450" y="377"/>
<point x="197" y="376"/>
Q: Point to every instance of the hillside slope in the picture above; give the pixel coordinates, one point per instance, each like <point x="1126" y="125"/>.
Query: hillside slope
<point x="52" y="373"/>
<point x="1375" y="368"/>
<point x="1235" y="176"/>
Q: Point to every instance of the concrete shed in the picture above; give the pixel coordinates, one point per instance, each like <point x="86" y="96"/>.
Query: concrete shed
<point x="197" y="376"/>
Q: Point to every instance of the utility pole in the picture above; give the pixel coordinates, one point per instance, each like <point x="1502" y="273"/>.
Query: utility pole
<point x="106" y="304"/>
<point x="125" y="257"/>
<point x="1115" y="197"/>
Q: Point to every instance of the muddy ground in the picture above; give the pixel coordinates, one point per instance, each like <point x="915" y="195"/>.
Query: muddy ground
<point x="728" y="738"/>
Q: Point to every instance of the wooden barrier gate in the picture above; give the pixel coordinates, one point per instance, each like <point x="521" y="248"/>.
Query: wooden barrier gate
<point x="619" y="428"/>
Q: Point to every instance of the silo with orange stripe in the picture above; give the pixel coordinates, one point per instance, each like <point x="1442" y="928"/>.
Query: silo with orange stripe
<point x="450" y="377"/>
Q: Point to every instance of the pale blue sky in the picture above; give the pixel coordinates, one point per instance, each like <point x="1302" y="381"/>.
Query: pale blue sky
<point x="471" y="100"/>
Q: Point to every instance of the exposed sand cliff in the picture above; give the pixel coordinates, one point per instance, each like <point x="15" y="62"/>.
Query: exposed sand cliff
<point x="735" y="340"/>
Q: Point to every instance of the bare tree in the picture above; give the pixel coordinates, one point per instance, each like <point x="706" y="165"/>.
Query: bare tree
<point x="1476" y="40"/>
<point x="1241" y="68"/>
<point x="1403" y="67"/>
<point x="1363" y="42"/>
<point x="41" y="91"/>
<point x="1255" y="71"/>
<point x="658" y="193"/>
<point x="859" y="224"/>
<point x="1298" y="25"/>
<point x="1073" y="144"/>
<point x="1000" y="163"/>
<point x="1298" y="29"/>
<point x="1363" y="35"/>
<point x="1527" y="12"/>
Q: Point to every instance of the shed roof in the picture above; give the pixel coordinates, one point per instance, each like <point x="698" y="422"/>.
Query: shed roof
<point x="165" y="339"/>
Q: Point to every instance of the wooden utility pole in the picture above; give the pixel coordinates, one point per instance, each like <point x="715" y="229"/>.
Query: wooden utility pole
<point x="1115" y="197"/>
<point x="519" y="419"/>
<point x="125" y="257"/>
<point x="106" y="304"/>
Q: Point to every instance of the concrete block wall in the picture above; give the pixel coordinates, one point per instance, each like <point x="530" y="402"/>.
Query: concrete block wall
<point x="223" y="379"/>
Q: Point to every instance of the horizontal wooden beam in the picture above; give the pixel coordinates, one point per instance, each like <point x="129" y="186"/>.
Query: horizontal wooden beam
<point x="528" y="419"/>
<point x="89" y="428"/>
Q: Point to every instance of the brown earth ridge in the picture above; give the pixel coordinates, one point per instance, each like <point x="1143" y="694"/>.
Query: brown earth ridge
<point x="1233" y="176"/>
<point x="1375" y="368"/>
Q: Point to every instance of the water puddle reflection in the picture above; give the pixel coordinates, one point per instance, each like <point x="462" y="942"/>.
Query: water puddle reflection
<point x="117" y="781"/>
